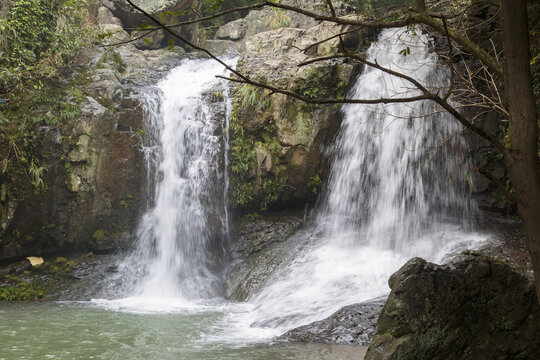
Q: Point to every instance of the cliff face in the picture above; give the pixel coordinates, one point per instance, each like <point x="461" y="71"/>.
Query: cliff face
<point x="91" y="163"/>
<point x="277" y="143"/>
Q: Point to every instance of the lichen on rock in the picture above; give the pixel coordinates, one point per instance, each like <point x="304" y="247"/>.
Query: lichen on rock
<point x="474" y="307"/>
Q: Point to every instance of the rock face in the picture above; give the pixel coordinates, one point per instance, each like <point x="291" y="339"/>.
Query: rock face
<point x="260" y="245"/>
<point x="351" y="325"/>
<point x="277" y="142"/>
<point x="475" y="307"/>
<point x="119" y="12"/>
<point x="94" y="166"/>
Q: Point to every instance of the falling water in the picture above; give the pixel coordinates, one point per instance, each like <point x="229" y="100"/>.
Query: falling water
<point x="179" y="237"/>
<point x="398" y="169"/>
<point x="396" y="189"/>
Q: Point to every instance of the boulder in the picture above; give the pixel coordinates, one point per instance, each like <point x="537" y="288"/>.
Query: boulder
<point x="235" y="30"/>
<point x="105" y="16"/>
<point x="351" y="325"/>
<point x="112" y="34"/>
<point x="166" y="11"/>
<point x="474" y="307"/>
<point x="149" y="39"/>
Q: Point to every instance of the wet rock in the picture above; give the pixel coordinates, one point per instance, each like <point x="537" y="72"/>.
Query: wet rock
<point x="475" y="307"/>
<point x="351" y="325"/>
<point x="260" y="245"/>
<point x="258" y="233"/>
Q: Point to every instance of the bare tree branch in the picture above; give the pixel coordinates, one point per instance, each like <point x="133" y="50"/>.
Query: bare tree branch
<point x="332" y="10"/>
<point x="326" y="101"/>
<point x="427" y="95"/>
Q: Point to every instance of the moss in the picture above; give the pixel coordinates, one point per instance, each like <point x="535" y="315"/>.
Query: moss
<point x="16" y="290"/>
<point x="100" y="235"/>
<point x="111" y="58"/>
<point x="321" y="82"/>
<point x="314" y="183"/>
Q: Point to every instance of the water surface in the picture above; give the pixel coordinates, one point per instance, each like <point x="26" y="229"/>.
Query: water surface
<point x="82" y="330"/>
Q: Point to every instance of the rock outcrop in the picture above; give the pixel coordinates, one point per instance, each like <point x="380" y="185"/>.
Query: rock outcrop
<point x="475" y="307"/>
<point x="119" y="12"/>
<point x="259" y="246"/>
<point x="277" y="142"/>
<point x="93" y="163"/>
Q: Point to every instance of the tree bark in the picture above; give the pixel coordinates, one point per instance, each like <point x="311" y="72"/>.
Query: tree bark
<point x="522" y="154"/>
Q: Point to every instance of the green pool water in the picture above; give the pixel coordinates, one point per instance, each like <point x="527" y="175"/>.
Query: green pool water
<point x="84" y="330"/>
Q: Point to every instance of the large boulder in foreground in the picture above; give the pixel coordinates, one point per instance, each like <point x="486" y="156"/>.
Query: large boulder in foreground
<point x="475" y="307"/>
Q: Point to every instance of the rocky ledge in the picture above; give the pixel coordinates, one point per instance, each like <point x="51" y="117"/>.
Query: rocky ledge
<point x="474" y="307"/>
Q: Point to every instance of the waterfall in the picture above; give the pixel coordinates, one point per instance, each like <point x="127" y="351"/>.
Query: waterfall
<point x="396" y="189"/>
<point x="179" y="236"/>
<point x="399" y="169"/>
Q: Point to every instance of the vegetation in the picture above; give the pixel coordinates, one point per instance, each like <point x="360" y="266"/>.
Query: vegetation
<point x="39" y="39"/>
<point x="39" y="42"/>
<point x="36" y="283"/>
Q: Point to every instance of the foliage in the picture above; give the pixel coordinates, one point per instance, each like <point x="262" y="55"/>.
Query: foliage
<point x="39" y="41"/>
<point x="314" y="183"/>
<point x="100" y="235"/>
<point x="320" y="82"/>
<point x="17" y="290"/>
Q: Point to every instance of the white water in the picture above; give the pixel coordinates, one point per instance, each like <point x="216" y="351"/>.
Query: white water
<point x="179" y="237"/>
<point x="396" y="189"/>
<point x="390" y="196"/>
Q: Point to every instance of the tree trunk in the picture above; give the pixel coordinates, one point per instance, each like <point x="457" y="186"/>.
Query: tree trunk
<point x="522" y="155"/>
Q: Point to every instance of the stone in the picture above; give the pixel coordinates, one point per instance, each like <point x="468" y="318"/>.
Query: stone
<point x="235" y="30"/>
<point x="260" y="245"/>
<point x="112" y="34"/>
<point x="149" y="40"/>
<point x="167" y="11"/>
<point x="223" y="47"/>
<point x="105" y="16"/>
<point x="351" y="325"/>
<point x="35" y="260"/>
<point x="474" y="307"/>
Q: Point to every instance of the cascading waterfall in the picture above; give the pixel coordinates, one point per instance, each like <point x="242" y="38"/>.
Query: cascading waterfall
<point x="179" y="236"/>
<point x="396" y="189"/>
<point x="398" y="169"/>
